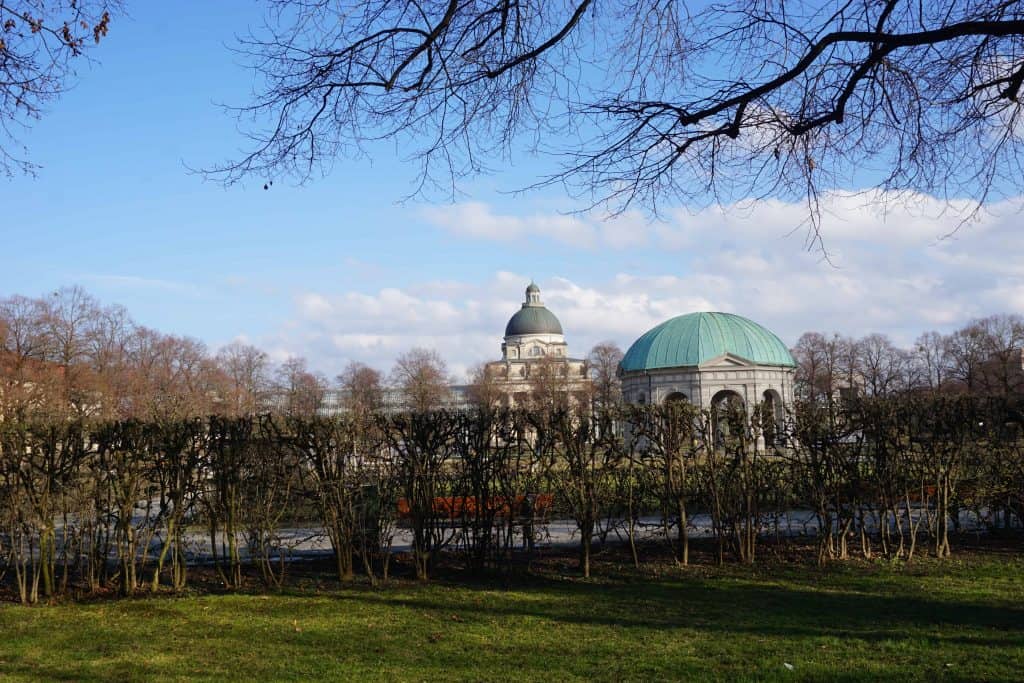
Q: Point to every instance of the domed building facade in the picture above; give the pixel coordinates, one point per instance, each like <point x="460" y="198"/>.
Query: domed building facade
<point x="708" y="358"/>
<point x="534" y="341"/>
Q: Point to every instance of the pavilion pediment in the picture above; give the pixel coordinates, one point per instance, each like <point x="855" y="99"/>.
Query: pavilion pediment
<point x="726" y="361"/>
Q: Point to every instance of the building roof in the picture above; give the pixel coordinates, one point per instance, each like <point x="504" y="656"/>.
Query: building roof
<point x="533" y="317"/>
<point x="533" y="320"/>
<point x="691" y="339"/>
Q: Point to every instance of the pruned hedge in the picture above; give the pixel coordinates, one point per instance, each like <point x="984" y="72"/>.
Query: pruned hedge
<point x="134" y="505"/>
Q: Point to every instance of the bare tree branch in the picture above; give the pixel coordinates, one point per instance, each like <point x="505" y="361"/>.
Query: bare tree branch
<point x="644" y="101"/>
<point x="40" y="41"/>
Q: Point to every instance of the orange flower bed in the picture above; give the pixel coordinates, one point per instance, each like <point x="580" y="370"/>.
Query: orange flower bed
<point x="455" y="507"/>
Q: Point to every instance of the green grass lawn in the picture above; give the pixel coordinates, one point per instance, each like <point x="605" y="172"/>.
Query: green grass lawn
<point x="956" y="620"/>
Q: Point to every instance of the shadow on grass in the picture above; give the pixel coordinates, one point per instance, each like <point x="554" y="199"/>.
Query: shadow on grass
<point x="734" y="609"/>
<point x="549" y="630"/>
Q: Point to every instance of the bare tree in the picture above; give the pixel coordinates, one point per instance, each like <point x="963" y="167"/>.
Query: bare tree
<point x="173" y="376"/>
<point x="123" y="453"/>
<point x="421" y="442"/>
<point x="649" y="101"/>
<point x="930" y="358"/>
<point x="825" y="365"/>
<point x="824" y="456"/>
<point x="29" y="383"/>
<point x="178" y="459"/>
<point x="328" y="448"/>
<point x="603" y="368"/>
<point x="270" y="477"/>
<point x="1003" y="350"/>
<point x="108" y="349"/>
<point x="302" y="391"/>
<point x="422" y="377"/>
<point x="245" y="368"/>
<point x="883" y="366"/>
<point x="809" y="362"/>
<point x="550" y="384"/>
<point x="484" y="388"/>
<point x="588" y="451"/>
<point x="667" y="435"/>
<point x="362" y="388"/>
<point x="71" y="313"/>
<point x="40" y="43"/>
<point x="965" y="351"/>
<point x="23" y="332"/>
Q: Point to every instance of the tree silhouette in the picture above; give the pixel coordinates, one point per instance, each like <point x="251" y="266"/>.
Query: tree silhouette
<point x="647" y="101"/>
<point x="40" y="43"/>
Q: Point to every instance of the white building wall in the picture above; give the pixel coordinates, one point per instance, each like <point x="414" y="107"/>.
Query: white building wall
<point x="700" y="384"/>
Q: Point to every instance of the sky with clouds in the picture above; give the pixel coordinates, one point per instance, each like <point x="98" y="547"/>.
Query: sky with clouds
<point x="342" y="268"/>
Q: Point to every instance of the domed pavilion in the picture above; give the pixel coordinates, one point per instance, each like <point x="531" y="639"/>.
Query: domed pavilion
<point x="708" y="358"/>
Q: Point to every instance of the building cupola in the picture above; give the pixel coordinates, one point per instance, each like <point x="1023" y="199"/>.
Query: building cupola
<point x="533" y="295"/>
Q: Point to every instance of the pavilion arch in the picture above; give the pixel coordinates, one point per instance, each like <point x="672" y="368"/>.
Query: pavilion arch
<point x="726" y="404"/>
<point x="728" y="397"/>
<point x="773" y="427"/>
<point x="677" y="397"/>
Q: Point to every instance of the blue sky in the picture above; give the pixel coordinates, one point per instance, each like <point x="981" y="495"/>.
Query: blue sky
<point x="341" y="269"/>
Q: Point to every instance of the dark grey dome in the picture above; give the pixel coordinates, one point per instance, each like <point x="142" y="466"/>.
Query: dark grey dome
<point x="533" y="320"/>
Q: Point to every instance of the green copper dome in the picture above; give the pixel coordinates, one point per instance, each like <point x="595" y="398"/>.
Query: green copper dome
<point x="692" y="339"/>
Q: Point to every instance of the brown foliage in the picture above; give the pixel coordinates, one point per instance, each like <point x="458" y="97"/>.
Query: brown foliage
<point x="422" y="378"/>
<point x="362" y="388"/>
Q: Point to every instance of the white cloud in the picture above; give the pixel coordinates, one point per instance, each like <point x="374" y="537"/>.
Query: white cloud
<point x="477" y="220"/>
<point x="135" y="282"/>
<point x="887" y="273"/>
<point x="847" y="220"/>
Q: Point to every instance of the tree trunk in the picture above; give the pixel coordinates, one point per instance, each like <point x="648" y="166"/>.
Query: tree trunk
<point x="586" y="536"/>
<point x="684" y="535"/>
